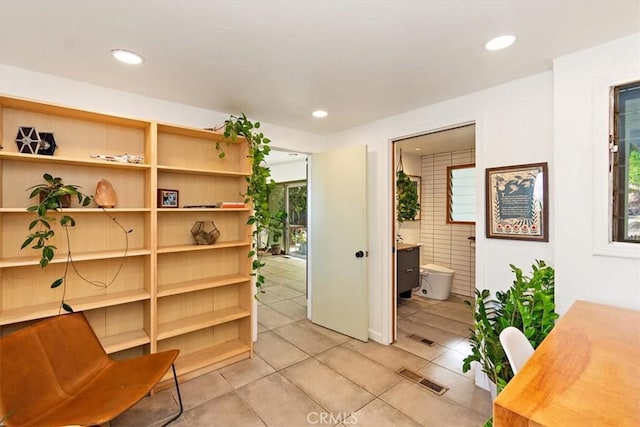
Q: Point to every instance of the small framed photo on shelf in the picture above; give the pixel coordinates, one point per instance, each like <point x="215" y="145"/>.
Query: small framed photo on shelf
<point x="167" y="198"/>
<point x="517" y="202"/>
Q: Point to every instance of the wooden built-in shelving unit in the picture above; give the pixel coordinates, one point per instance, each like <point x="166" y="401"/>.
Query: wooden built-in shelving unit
<point x="170" y="293"/>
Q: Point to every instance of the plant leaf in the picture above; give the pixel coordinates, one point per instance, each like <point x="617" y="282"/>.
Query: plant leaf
<point x="57" y="283"/>
<point x="67" y="307"/>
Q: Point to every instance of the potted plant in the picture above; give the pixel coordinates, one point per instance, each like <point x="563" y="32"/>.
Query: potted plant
<point x="527" y="305"/>
<point x="406" y="197"/>
<point x="53" y="195"/>
<point x="276" y="228"/>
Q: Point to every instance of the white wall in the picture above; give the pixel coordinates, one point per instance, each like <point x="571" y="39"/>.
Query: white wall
<point x="513" y="126"/>
<point x="589" y="267"/>
<point x="70" y="93"/>
<point x="288" y="172"/>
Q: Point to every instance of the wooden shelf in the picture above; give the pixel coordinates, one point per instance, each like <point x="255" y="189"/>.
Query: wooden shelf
<point x="78" y="210"/>
<point x="37" y="158"/>
<point x="200" y="321"/>
<point x="176" y="169"/>
<point x="190" y="248"/>
<point x="66" y="112"/>
<point x="180" y="157"/>
<point x="183" y="210"/>
<point x="77" y="257"/>
<point x="207" y="357"/>
<point x="124" y="341"/>
<point x="198" y="285"/>
<point x="191" y="132"/>
<point x="39" y="311"/>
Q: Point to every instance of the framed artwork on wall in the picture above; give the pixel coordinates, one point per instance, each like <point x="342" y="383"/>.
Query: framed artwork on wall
<point x="517" y="202"/>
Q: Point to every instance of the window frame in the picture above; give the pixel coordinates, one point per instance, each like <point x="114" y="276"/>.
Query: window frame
<point x="449" y="220"/>
<point x="618" y="166"/>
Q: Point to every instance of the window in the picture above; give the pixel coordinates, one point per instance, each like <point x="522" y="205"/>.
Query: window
<point x="625" y="163"/>
<point x="461" y="194"/>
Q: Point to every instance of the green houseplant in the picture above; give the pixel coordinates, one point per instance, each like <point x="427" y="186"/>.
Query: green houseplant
<point x="527" y="305"/>
<point x="53" y="195"/>
<point x="259" y="183"/>
<point x="407" y="197"/>
<point x="276" y="228"/>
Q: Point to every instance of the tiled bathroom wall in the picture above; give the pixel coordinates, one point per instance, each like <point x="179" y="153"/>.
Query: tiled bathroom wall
<point x="445" y="244"/>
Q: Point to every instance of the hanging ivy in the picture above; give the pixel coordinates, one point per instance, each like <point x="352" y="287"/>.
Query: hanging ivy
<point x="407" y="205"/>
<point x="259" y="184"/>
<point x="406" y="197"/>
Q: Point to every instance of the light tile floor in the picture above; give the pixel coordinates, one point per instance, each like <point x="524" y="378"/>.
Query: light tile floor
<point x="302" y="374"/>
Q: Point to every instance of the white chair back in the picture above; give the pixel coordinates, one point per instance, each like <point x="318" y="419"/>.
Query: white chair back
<point x="516" y="346"/>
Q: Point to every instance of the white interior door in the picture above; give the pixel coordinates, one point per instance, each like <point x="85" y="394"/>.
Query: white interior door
<point x="338" y="241"/>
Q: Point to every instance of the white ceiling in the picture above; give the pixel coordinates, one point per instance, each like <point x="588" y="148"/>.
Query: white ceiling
<point x="277" y="61"/>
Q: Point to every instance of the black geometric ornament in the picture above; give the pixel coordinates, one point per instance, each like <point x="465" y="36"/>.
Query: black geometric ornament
<point x="28" y="140"/>
<point x="47" y="143"/>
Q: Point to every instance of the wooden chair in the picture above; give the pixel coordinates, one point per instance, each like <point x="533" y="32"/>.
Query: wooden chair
<point x="56" y="373"/>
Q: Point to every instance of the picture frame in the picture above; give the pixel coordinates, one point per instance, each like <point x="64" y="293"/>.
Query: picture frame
<point x="416" y="179"/>
<point x="168" y="198"/>
<point x="517" y="202"/>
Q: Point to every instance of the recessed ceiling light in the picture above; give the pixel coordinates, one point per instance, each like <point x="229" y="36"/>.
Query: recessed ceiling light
<point x="127" y="56"/>
<point x="418" y="149"/>
<point x="319" y="114"/>
<point x="500" y="42"/>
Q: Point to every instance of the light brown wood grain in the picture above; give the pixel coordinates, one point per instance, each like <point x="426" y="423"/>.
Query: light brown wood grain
<point x="585" y="373"/>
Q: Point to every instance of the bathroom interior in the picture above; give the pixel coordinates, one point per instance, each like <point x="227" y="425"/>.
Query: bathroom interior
<point x="435" y="264"/>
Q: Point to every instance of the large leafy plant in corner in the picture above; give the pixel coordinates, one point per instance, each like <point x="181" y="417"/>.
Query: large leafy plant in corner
<point x="259" y="184"/>
<point x="527" y="305"/>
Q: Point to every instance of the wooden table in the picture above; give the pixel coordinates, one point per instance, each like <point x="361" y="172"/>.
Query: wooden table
<point x="585" y="373"/>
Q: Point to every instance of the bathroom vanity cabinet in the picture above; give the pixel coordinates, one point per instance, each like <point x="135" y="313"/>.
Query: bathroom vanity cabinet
<point x="408" y="268"/>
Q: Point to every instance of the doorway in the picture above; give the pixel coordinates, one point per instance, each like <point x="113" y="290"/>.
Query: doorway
<point x="291" y="198"/>
<point x="427" y="159"/>
<point x="284" y="297"/>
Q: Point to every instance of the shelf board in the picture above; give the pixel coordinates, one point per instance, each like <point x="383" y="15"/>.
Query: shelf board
<point x="190" y="171"/>
<point x="200" y="321"/>
<point x="194" y="247"/>
<point x="168" y="210"/>
<point x="37" y="158"/>
<point x="197" y="285"/>
<point x="191" y="132"/>
<point x="39" y="311"/>
<point x="208" y="356"/>
<point x="68" y="112"/>
<point x="77" y="257"/>
<point x="78" y="210"/>
<point x="124" y="341"/>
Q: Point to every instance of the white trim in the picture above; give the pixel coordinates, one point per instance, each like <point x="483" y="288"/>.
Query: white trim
<point x="601" y="179"/>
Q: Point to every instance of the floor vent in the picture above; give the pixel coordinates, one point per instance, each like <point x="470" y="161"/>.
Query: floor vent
<point x="424" y="382"/>
<point x="421" y="339"/>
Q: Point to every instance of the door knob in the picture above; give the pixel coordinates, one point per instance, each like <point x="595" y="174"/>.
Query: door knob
<point x="359" y="254"/>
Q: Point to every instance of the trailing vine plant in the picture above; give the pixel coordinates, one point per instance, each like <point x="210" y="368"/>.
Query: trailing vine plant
<point x="259" y="184"/>
<point x="406" y="195"/>
<point x="54" y="196"/>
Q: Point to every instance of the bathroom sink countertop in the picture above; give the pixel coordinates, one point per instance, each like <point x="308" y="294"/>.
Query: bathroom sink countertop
<point x="403" y="246"/>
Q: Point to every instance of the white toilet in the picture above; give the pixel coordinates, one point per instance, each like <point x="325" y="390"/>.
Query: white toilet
<point x="435" y="281"/>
